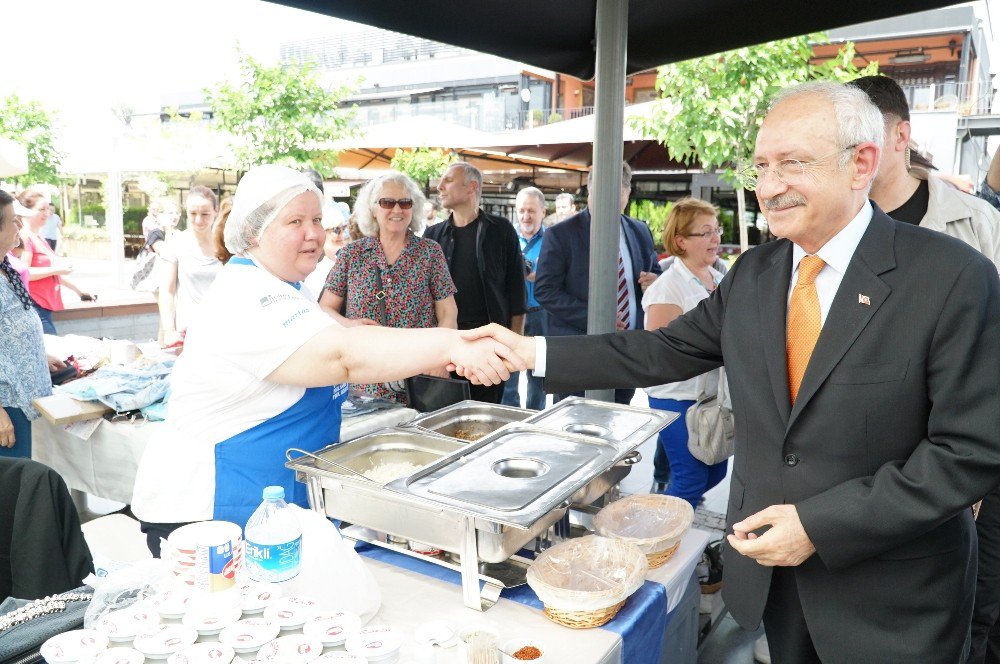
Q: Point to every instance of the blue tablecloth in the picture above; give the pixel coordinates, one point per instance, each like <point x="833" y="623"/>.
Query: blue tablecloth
<point x="641" y="623"/>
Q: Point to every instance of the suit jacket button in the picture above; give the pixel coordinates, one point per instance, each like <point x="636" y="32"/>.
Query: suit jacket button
<point x="791" y="460"/>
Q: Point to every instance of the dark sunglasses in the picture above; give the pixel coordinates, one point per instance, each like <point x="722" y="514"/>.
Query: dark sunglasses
<point x="389" y="203"/>
<point x="337" y="229"/>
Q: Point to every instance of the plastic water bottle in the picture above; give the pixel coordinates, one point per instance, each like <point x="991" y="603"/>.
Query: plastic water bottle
<point x="273" y="540"/>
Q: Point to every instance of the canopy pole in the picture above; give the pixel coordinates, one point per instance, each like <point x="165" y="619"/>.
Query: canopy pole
<point x="611" y="29"/>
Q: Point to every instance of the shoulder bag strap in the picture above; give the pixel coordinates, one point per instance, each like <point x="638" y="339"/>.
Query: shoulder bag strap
<point x="380" y="295"/>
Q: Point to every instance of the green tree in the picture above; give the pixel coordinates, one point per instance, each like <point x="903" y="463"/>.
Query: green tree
<point x="281" y="114"/>
<point x="421" y="164"/>
<point x="712" y="107"/>
<point x="28" y="123"/>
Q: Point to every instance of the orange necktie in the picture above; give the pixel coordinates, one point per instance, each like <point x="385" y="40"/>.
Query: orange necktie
<point x="804" y="322"/>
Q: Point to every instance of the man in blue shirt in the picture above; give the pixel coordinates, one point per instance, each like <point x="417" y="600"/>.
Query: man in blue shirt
<point x="530" y="208"/>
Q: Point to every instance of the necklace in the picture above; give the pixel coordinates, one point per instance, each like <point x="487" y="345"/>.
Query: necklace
<point x="41" y="607"/>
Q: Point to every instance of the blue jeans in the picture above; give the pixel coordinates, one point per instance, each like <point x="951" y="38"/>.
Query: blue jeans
<point x="536" y="324"/>
<point x="22" y="435"/>
<point x="48" y="327"/>
<point x="689" y="478"/>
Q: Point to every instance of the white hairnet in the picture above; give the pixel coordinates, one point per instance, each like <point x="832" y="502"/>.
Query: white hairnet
<point x="260" y="196"/>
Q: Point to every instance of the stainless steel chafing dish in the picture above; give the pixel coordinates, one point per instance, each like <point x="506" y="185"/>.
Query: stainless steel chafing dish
<point x="469" y="420"/>
<point x="483" y="500"/>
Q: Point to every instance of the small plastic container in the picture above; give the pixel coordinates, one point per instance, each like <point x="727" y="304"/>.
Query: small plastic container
<point x="203" y="653"/>
<point x="211" y="621"/>
<point x="290" y="613"/>
<point x="172" y="603"/>
<point x="341" y="657"/>
<point x="116" y="656"/>
<point x="258" y="596"/>
<point x="249" y="635"/>
<point x="164" y="640"/>
<point x="332" y="627"/>
<point x="378" y="644"/>
<point x="291" y="649"/>
<point x="122" y="626"/>
<point x="74" y="646"/>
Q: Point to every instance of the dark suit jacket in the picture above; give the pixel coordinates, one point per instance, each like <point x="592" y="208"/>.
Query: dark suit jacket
<point x="562" y="277"/>
<point x="895" y="432"/>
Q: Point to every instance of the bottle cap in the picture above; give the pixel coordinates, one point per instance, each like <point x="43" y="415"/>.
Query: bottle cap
<point x="274" y="493"/>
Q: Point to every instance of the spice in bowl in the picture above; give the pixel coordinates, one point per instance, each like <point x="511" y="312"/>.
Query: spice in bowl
<point x="527" y="653"/>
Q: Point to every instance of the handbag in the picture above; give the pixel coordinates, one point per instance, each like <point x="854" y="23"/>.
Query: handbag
<point x="25" y="626"/>
<point x="711" y="430"/>
<point x="142" y="277"/>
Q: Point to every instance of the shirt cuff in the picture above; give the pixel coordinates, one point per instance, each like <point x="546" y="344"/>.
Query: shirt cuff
<point x="540" y="348"/>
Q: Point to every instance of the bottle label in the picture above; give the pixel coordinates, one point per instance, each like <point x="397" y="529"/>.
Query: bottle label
<point x="274" y="563"/>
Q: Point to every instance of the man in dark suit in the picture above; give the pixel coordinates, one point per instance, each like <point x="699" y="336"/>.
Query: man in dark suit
<point x="562" y="282"/>
<point x="862" y="363"/>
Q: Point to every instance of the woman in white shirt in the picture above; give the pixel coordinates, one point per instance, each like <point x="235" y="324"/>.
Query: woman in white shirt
<point x="190" y="265"/>
<point x="265" y="369"/>
<point x="692" y="234"/>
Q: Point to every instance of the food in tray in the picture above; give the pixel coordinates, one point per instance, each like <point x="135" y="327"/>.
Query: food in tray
<point x="387" y="472"/>
<point x="468" y="433"/>
<point x="527" y="653"/>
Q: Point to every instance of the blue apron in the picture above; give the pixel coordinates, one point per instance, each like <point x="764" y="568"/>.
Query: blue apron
<point x="255" y="458"/>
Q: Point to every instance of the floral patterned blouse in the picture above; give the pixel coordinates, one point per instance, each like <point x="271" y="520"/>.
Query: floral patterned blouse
<point x="417" y="280"/>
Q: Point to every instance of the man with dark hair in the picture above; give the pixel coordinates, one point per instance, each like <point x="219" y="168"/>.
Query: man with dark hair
<point x="907" y="190"/>
<point x="562" y="281"/>
<point x="484" y="258"/>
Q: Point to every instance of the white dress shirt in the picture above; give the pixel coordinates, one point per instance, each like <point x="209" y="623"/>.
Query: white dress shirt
<point x="836" y="253"/>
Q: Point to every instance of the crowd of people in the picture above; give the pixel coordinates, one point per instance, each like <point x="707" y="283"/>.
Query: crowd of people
<point x="855" y="349"/>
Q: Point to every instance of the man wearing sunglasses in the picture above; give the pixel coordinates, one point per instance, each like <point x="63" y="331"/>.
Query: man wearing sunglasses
<point x="484" y="257"/>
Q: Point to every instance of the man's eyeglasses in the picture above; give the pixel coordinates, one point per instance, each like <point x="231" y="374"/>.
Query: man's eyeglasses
<point x="717" y="232"/>
<point x="791" y="172"/>
<point x="389" y="203"/>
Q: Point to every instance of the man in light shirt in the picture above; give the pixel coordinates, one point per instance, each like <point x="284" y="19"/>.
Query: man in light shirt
<point x="861" y="356"/>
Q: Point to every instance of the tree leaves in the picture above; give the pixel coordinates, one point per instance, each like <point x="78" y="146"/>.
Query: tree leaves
<point x="28" y="123"/>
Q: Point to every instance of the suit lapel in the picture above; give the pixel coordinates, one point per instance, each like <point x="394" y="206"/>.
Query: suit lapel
<point x="849" y="314"/>
<point x="772" y="296"/>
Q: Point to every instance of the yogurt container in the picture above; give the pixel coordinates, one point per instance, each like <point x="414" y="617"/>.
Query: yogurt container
<point x="376" y="643"/>
<point x="292" y="612"/>
<point x="203" y="653"/>
<point x="211" y="621"/>
<point x="117" y="656"/>
<point x="341" y="657"/>
<point x="171" y="603"/>
<point x="332" y="627"/>
<point x="249" y="635"/>
<point x="122" y="626"/>
<point x="74" y="646"/>
<point x="257" y="596"/>
<point x="291" y="649"/>
<point x="165" y="640"/>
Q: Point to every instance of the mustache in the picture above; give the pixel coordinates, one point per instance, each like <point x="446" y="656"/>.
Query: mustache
<point x="784" y="200"/>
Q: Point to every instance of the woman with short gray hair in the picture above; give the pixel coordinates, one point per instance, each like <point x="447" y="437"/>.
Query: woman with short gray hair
<point x="391" y="277"/>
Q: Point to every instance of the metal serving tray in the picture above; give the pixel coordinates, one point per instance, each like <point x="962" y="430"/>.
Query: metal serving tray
<point x="469" y="421"/>
<point x="387" y="446"/>
<point x="626" y="426"/>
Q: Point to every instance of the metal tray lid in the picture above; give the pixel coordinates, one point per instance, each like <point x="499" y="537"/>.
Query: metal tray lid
<point x="513" y="476"/>
<point x="627" y="425"/>
<point x="477" y="417"/>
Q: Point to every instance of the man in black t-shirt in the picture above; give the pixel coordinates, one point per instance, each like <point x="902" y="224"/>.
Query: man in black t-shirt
<point x="484" y="257"/>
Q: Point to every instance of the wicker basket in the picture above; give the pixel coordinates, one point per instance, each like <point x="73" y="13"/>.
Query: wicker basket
<point x="583" y="619"/>
<point x="652" y="522"/>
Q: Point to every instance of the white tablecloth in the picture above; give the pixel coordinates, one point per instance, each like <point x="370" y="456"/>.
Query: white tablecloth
<point x="106" y="463"/>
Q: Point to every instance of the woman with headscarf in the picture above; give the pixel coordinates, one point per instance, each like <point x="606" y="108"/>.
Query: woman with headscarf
<point x="24" y="368"/>
<point x="189" y="266"/>
<point x="265" y="369"/>
<point x="391" y="277"/>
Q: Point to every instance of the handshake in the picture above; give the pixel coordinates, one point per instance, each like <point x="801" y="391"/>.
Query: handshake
<point x="488" y="355"/>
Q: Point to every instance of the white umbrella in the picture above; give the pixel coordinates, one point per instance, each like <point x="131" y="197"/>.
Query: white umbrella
<point x="13" y="158"/>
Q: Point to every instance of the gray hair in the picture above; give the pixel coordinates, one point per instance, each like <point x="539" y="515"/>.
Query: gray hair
<point x="626" y="176"/>
<point x="567" y="197"/>
<point x="471" y="173"/>
<point x="533" y="191"/>
<point x="858" y="119"/>
<point x="372" y="191"/>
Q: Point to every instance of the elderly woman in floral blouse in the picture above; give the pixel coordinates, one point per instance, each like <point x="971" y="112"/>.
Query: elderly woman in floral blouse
<point x="391" y="277"/>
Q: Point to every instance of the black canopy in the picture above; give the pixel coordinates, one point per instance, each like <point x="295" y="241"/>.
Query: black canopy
<point x="559" y="34"/>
